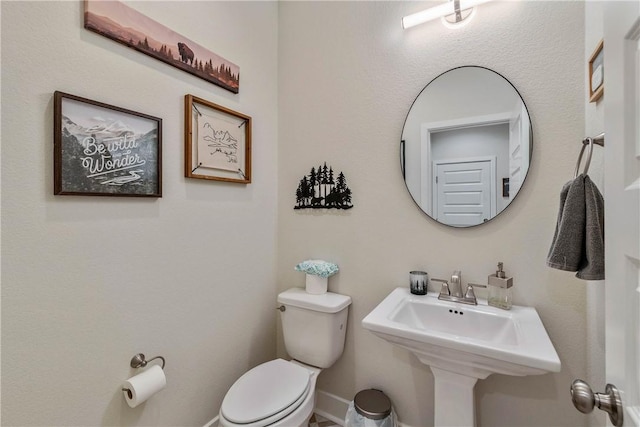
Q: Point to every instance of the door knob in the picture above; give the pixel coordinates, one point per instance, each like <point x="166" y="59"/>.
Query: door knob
<point x="584" y="399"/>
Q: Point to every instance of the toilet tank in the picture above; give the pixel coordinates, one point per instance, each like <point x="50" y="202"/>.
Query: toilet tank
<point x="314" y="326"/>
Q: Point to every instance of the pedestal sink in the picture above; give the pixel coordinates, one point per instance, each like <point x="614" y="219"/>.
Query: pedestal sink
<point x="462" y="344"/>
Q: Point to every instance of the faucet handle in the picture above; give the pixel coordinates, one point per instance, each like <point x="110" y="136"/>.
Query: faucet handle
<point x="470" y="293"/>
<point x="445" y="286"/>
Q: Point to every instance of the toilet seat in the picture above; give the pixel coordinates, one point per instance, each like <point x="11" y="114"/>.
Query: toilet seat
<point x="266" y="394"/>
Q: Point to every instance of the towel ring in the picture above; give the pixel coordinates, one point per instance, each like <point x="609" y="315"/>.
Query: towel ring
<point x="587" y="141"/>
<point x="599" y="140"/>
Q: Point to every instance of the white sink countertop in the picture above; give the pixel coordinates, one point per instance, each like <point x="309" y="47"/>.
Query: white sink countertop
<point x="475" y="340"/>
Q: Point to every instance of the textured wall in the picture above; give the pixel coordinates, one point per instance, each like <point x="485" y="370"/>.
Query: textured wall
<point x="88" y="282"/>
<point x="348" y="74"/>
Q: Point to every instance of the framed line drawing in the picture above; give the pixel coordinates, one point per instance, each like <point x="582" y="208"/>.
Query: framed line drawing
<point x="217" y="142"/>
<point x="104" y="150"/>
<point x="596" y="73"/>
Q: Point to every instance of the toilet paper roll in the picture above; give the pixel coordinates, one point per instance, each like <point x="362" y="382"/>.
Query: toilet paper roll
<point x="144" y="385"/>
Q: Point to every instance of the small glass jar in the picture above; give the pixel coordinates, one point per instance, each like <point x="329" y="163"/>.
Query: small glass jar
<point x="418" y="282"/>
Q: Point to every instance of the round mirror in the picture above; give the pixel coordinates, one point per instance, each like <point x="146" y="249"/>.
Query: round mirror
<point x="466" y="146"/>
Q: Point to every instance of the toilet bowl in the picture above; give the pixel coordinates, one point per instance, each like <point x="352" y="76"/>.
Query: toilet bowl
<point x="281" y="393"/>
<point x="277" y="393"/>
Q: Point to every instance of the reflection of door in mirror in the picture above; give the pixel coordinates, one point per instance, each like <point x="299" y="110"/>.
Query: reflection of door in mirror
<point x="519" y="130"/>
<point x="479" y="137"/>
<point x="464" y="190"/>
<point x="467" y="112"/>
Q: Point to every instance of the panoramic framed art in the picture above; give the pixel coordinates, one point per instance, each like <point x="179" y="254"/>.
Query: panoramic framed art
<point x="104" y="150"/>
<point x="125" y="25"/>
<point x="217" y="142"/>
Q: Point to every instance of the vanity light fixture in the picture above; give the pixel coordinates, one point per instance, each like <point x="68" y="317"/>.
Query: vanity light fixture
<point x="454" y="13"/>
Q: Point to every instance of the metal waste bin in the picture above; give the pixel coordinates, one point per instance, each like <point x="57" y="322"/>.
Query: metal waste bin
<point x="370" y="408"/>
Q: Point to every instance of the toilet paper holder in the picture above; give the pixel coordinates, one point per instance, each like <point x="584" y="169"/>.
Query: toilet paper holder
<point x="139" y="361"/>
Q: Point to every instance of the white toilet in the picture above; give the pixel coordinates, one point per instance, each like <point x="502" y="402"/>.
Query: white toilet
<point x="281" y="393"/>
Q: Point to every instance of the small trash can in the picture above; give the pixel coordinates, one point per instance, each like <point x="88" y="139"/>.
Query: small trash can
<point x="370" y="408"/>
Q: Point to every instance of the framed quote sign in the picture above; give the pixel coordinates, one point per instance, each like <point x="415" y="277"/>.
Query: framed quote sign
<point x="104" y="150"/>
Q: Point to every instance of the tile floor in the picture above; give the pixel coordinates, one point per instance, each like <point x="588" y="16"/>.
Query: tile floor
<point x="318" y="421"/>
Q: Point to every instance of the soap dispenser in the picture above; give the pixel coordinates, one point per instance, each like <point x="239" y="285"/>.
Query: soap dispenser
<point x="500" y="289"/>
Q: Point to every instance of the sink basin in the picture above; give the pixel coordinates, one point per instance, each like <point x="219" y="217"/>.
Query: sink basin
<point x="463" y="343"/>
<point x="473" y="323"/>
<point x="479" y="340"/>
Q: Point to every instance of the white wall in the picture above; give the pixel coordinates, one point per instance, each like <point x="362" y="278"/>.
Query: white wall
<point x="88" y="282"/>
<point x="348" y="75"/>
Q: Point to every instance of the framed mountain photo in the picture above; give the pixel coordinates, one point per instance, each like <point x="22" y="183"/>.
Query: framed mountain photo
<point x="104" y="150"/>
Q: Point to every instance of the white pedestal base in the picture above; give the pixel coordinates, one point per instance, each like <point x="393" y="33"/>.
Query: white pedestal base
<point x="454" y="402"/>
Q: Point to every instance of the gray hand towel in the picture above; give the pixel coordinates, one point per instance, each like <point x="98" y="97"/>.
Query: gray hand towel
<point x="578" y="242"/>
<point x="566" y="248"/>
<point x="592" y="264"/>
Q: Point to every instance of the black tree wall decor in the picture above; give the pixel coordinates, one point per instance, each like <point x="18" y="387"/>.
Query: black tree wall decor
<point x="321" y="189"/>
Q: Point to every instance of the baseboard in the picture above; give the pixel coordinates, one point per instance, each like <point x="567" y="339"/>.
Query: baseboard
<point x="332" y="407"/>
<point x="212" y="423"/>
<point x="329" y="406"/>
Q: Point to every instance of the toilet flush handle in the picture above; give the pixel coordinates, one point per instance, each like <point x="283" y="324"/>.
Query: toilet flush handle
<point x="281" y="308"/>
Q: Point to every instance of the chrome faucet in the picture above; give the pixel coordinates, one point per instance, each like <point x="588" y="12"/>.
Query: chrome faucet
<point x="454" y="292"/>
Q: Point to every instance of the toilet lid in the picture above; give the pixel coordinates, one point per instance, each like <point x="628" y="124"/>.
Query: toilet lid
<point x="264" y="391"/>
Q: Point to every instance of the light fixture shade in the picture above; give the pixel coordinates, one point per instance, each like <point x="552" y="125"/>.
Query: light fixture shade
<point x="438" y="11"/>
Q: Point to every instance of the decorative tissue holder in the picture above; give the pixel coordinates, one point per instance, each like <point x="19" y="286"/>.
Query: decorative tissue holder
<point x="316" y="285"/>
<point x="317" y="275"/>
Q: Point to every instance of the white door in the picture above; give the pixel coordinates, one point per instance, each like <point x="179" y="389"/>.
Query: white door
<point x="464" y="191"/>
<point x="622" y="203"/>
